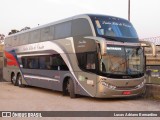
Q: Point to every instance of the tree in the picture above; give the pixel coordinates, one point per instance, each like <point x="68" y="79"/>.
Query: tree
<point x="13" y="31"/>
<point x="2" y="36"/>
<point x="25" y="28"/>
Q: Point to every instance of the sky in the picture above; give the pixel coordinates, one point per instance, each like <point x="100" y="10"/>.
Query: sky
<point x="17" y="14"/>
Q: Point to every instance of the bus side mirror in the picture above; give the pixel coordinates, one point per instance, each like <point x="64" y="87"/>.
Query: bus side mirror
<point x="102" y="43"/>
<point x="103" y="46"/>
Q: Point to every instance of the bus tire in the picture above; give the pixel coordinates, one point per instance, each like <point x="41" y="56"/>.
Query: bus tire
<point x="19" y="80"/>
<point x="13" y="79"/>
<point x="65" y="89"/>
<point x="70" y="87"/>
<point x="144" y="93"/>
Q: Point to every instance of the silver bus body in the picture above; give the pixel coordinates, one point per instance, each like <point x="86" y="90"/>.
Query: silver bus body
<point x="49" y="56"/>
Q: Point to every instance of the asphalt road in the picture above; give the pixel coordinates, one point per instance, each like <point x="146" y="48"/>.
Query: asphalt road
<point x="13" y="98"/>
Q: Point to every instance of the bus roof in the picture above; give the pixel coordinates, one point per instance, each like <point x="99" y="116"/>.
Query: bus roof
<point x="63" y="20"/>
<point x="49" y="24"/>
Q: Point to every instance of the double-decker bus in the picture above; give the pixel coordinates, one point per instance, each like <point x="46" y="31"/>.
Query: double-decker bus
<point x="92" y="55"/>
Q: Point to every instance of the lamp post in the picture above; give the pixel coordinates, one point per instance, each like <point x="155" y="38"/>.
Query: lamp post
<point x="129" y="10"/>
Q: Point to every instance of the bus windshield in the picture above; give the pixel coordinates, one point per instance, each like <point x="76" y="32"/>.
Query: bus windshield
<point x="114" y="27"/>
<point x="122" y="60"/>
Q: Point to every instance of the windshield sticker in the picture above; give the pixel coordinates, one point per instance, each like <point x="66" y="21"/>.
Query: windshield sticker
<point x="126" y="25"/>
<point x="106" y="23"/>
<point x="114" y="48"/>
<point x="98" y="24"/>
<point x="114" y="23"/>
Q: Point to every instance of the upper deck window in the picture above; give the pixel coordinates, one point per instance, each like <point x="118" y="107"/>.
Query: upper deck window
<point x="81" y="27"/>
<point x="63" y="30"/>
<point x="113" y="27"/>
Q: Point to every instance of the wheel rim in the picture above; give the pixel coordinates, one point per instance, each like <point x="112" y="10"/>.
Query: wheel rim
<point x="13" y="79"/>
<point x="68" y="87"/>
<point x="19" y="80"/>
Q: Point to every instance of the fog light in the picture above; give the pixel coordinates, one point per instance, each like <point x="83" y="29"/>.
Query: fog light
<point x="111" y="87"/>
<point x="108" y="85"/>
<point x="140" y="85"/>
<point x="104" y="83"/>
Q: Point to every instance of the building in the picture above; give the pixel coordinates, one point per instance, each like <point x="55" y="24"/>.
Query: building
<point x="1" y="60"/>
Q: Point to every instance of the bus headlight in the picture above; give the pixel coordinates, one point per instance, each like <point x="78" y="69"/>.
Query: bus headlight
<point x="108" y="85"/>
<point x="140" y="85"/>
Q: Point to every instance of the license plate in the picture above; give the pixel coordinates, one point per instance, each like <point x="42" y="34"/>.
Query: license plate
<point x="126" y="92"/>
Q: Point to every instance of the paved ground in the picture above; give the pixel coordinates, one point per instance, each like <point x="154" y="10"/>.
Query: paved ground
<point x="36" y="99"/>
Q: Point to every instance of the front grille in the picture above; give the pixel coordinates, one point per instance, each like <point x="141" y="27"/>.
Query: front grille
<point x="125" y="87"/>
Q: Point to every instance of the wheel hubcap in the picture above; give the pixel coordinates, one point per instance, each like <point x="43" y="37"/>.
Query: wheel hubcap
<point x="19" y="80"/>
<point x="13" y="79"/>
<point x="68" y="87"/>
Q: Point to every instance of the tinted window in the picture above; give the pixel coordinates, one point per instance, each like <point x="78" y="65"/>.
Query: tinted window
<point x="44" y="62"/>
<point x="24" y="62"/>
<point x="45" y="34"/>
<point x="57" y="63"/>
<point x="90" y="61"/>
<point x="30" y="62"/>
<point x="15" y="41"/>
<point x="23" y="38"/>
<point x="52" y="62"/>
<point x="51" y="34"/>
<point x="63" y="30"/>
<point x="87" y="61"/>
<point x="35" y="36"/>
<point x="81" y="27"/>
<point x="113" y="27"/>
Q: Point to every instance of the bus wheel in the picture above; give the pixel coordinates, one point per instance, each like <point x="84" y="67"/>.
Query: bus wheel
<point x="19" y="80"/>
<point x="65" y="89"/>
<point x="70" y="88"/>
<point x="13" y="79"/>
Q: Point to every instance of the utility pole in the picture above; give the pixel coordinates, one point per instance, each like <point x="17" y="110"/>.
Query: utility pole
<point x="129" y="10"/>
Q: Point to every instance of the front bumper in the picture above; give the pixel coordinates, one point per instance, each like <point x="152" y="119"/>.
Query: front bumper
<point x="105" y="92"/>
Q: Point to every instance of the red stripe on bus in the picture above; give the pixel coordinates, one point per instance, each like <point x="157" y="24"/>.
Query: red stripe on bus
<point x="12" y="60"/>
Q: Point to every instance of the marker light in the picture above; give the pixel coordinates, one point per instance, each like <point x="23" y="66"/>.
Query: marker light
<point x="108" y="85"/>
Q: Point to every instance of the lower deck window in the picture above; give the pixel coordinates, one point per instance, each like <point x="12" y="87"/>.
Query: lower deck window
<point x="87" y="61"/>
<point x="48" y="62"/>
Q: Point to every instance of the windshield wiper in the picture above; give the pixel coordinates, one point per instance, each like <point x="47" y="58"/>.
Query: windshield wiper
<point x="129" y="71"/>
<point x="112" y="38"/>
